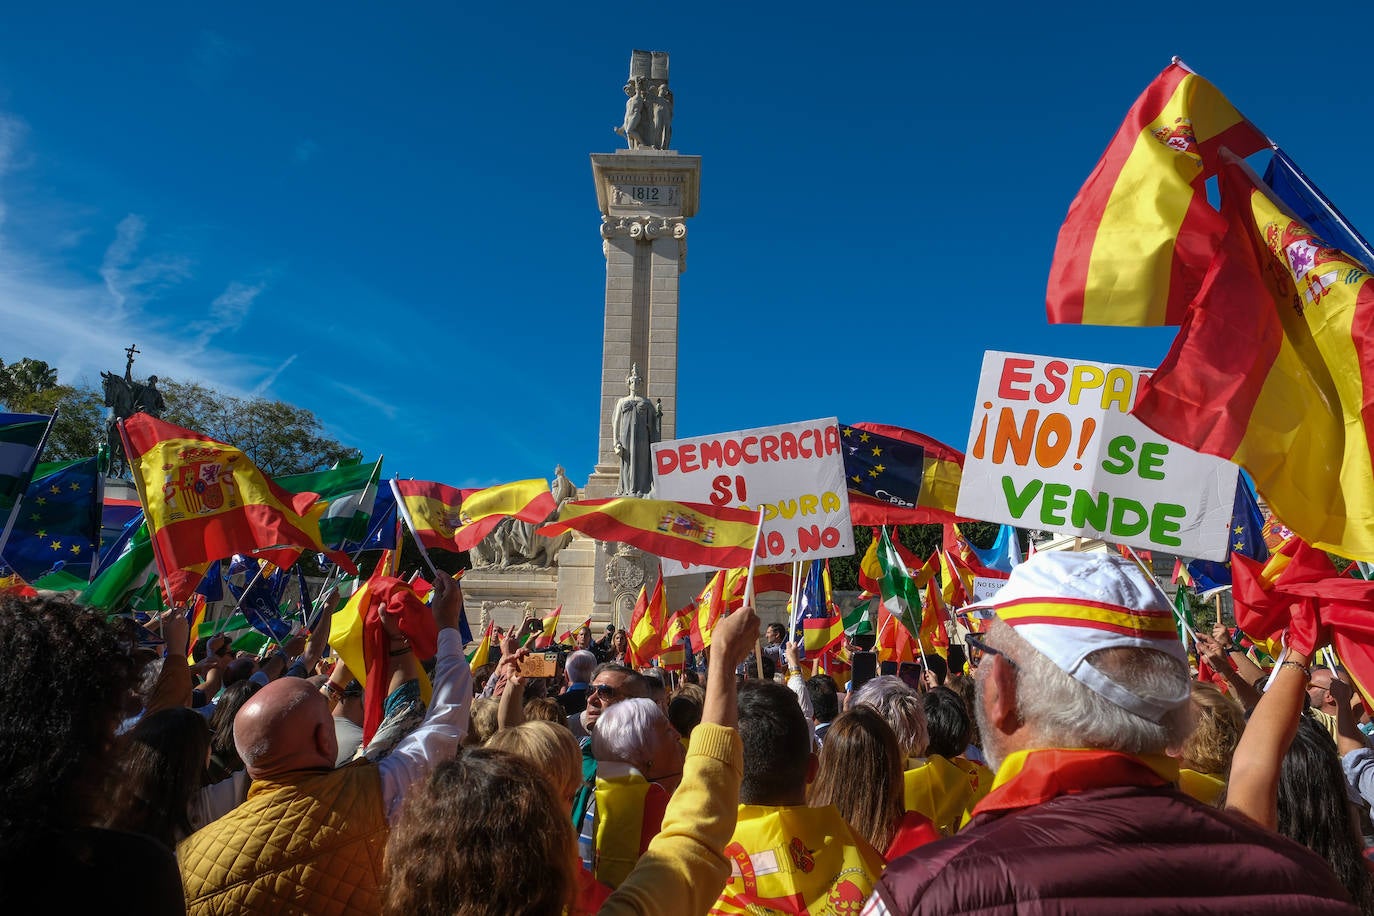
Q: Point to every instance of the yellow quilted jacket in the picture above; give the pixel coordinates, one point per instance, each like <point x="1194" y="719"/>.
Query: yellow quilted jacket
<point x="311" y="842"/>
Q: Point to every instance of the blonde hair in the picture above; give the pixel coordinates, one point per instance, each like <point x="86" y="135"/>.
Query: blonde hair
<point x="483" y="720"/>
<point x="1219" y="723"/>
<point x="551" y="748"/>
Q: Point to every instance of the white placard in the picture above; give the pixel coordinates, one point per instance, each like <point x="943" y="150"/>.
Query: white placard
<point x="985" y="587"/>
<point x="1053" y="446"/>
<point x="794" y="471"/>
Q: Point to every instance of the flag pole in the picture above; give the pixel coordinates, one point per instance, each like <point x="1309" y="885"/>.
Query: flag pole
<point x="796" y="601"/>
<point x="1331" y="210"/>
<point x="19" y="496"/>
<point x="749" y="591"/>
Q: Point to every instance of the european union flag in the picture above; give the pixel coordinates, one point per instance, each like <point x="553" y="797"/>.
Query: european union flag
<point x="1247" y="539"/>
<point x="887" y="469"/>
<point x="58" y="525"/>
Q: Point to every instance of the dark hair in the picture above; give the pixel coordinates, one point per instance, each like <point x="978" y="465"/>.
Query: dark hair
<point x="160" y="770"/>
<point x="63" y="681"/>
<point x="967" y="689"/>
<point x="776" y="627"/>
<point x="777" y="744"/>
<point x="485" y="834"/>
<point x="240" y="669"/>
<point x="226" y="755"/>
<point x="948" y="725"/>
<point x="684" y="710"/>
<point x="861" y="775"/>
<point x="750" y="668"/>
<point x="958" y="658"/>
<point x="1315" y="811"/>
<point x="825" y="697"/>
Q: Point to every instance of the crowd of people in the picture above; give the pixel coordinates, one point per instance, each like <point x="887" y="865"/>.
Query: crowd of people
<point x="1069" y="761"/>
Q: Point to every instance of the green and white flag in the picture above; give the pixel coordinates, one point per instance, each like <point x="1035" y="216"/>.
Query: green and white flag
<point x="901" y="596"/>
<point x="131" y="571"/>
<point x="859" y="621"/>
<point x="347" y="493"/>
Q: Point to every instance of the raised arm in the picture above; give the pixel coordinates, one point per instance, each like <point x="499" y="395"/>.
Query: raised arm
<point x="446" y="721"/>
<point x="1253" y="787"/>
<point x="684" y="869"/>
<point x="174" y="684"/>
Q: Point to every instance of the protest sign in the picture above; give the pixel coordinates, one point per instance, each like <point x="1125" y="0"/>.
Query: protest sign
<point x="1053" y="446"/>
<point x="985" y="587"/>
<point x="795" y="472"/>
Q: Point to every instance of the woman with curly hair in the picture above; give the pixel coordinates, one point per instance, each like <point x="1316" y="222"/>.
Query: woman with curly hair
<point x="63" y="680"/>
<point x="1205" y="759"/>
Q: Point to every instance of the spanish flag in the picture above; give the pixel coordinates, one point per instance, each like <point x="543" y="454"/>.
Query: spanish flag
<point x="1274" y="370"/>
<point x="693" y="533"/>
<point x="941" y="470"/>
<point x="205" y="500"/>
<point x="482" y="510"/>
<point x="1140" y="234"/>
<point x="431" y="510"/>
<point x="647" y="623"/>
<point x="482" y="654"/>
<point x="550" y="625"/>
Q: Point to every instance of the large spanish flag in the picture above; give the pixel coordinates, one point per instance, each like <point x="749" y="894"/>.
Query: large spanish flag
<point x="1140" y="234"/>
<point x="941" y="470"/>
<point x="1274" y="370"/>
<point x="482" y="510"/>
<point x="691" y="533"/>
<point x="205" y="500"/>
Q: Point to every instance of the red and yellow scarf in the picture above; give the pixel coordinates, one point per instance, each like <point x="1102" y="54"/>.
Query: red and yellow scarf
<point x="1035" y="776"/>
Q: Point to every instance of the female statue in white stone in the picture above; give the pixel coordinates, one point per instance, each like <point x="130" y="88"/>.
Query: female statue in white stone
<point x="635" y="425"/>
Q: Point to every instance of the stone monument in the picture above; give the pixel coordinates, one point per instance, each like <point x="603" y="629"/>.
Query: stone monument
<point x="646" y="193"/>
<point x="126" y="397"/>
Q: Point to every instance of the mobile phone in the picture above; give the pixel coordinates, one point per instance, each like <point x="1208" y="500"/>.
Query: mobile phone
<point x="911" y="675"/>
<point x="864" y="667"/>
<point x="544" y="664"/>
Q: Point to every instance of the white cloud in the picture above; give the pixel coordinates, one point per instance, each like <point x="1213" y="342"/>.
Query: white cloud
<point x="261" y="388"/>
<point x="130" y="279"/>
<point x="387" y="409"/>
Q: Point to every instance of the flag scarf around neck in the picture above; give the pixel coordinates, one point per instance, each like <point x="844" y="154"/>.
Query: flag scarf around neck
<point x="58" y="526"/>
<point x="482" y="510"/>
<point x="21" y="434"/>
<point x="204" y="501"/>
<point x="1140" y="233"/>
<point x="1274" y="368"/>
<point x="940" y="470"/>
<point x="347" y="495"/>
<point x="692" y="533"/>
<point x="1033" y="777"/>
<point x="357" y="635"/>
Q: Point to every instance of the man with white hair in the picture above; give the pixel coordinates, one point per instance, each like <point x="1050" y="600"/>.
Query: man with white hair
<point x="1082" y="687"/>
<point x="578" y="668"/>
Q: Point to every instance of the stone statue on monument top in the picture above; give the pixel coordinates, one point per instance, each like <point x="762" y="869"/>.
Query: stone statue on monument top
<point x="636" y="425"/>
<point x="648" y="121"/>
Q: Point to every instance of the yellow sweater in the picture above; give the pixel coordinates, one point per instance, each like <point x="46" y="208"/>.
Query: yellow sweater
<point x="684" y="869"/>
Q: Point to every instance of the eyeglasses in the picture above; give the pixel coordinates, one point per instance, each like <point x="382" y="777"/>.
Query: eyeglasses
<point x="605" y="691"/>
<point x="982" y="648"/>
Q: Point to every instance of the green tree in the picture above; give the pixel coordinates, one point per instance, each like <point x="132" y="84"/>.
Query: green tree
<point x="279" y="437"/>
<point x="31" y="386"/>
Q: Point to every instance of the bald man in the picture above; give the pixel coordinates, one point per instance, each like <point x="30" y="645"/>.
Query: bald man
<point x="310" y="837"/>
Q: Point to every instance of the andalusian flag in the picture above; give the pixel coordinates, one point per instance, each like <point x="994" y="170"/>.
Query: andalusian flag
<point x="859" y="620"/>
<point x="204" y="501"/>
<point x="481" y="510"/>
<point x="347" y="495"/>
<point x="432" y="511"/>
<point x="1140" y="234"/>
<point x="911" y="480"/>
<point x="646" y="626"/>
<point x="21" y="436"/>
<point x="692" y="533"/>
<point x="1274" y="369"/>
<point x="901" y="594"/>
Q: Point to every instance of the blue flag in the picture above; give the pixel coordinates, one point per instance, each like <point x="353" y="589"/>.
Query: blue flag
<point x="1004" y="554"/>
<point x="1246" y="538"/>
<point x="58" y="526"/>
<point x="259" y="596"/>
<point x="381" y="527"/>
<point x="881" y="467"/>
<point x="1311" y="206"/>
<point x="211" y="586"/>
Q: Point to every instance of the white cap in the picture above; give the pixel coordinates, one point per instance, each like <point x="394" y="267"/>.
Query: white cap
<point x="1068" y="605"/>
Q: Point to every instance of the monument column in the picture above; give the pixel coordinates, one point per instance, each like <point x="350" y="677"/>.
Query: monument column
<point x="646" y="193"/>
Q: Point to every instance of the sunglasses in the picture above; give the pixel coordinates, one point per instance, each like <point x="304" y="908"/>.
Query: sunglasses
<point x="605" y="691"/>
<point x="981" y="648"/>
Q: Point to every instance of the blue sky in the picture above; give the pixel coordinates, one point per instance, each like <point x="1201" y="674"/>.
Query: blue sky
<point x="387" y="215"/>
